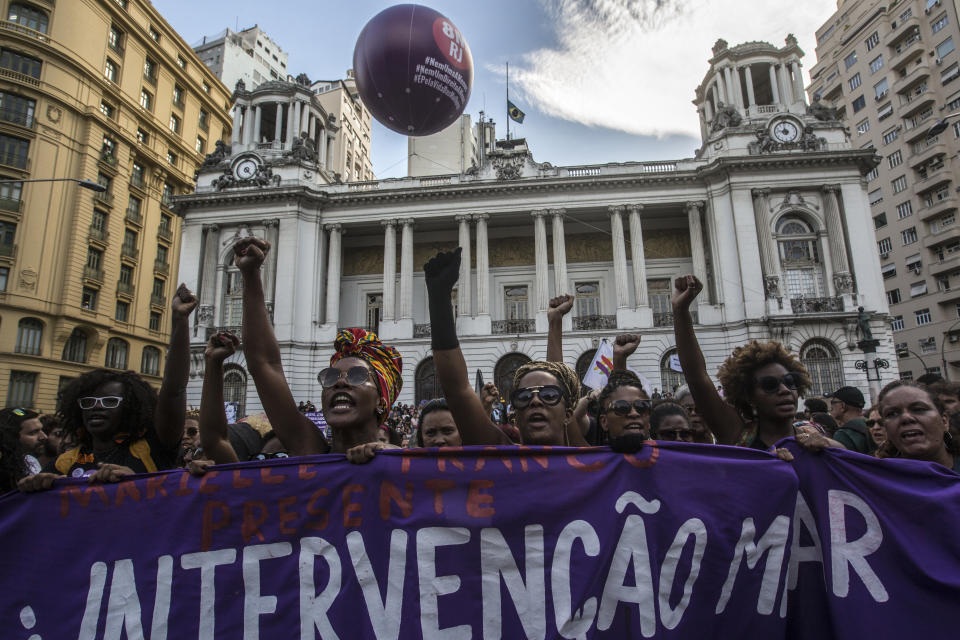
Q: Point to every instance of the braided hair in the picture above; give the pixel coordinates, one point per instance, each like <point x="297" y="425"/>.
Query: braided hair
<point x="569" y="383"/>
<point x="139" y="405"/>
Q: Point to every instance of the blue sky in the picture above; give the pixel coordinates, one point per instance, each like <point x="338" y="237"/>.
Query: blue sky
<point x="600" y="80"/>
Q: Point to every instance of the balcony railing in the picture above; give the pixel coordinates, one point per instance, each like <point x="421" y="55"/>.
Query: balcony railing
<point x="106" y="197"/>
<point x="161" y="266"/>
<point x="16" y="76"/>
<point x="137" y="181"/>
<point x="165" y="233"/>
<point x="92" y="273"/>
<point x="665" y="318"/>
<point x="129" y="252"/>
<point x="100" y="235"/>
<point x="8" y="250"/>
<point x="108" y="158"/>
<point x="157" y="300"/>
<point x="125" y="288"/>
<point x="135" y="217"/>
<point x="817" y="305"/>
<point x="421" y="330"/>
<point x="17" y="116"/>
<point x="521" y="325"/>
<point x="589" y="323"/>
<point x="13" y="158"/>
<point x="9" y="204"/>
<point x="19" y="28"/>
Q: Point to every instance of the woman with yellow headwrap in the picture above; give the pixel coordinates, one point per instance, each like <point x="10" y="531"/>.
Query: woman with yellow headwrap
<point x="359" y="387"/>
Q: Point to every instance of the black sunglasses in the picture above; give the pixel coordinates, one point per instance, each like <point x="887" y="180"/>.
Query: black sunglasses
<point x="269" y="456"/>
<point x="355" y="376"/>
<point x="771" y="384"/>
<point x="549" y="395"/>
<point x="622" y="407"/>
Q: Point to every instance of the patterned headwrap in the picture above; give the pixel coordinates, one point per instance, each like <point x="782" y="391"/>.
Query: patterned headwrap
<point x="382" y="358"/>
<point x="567" y="377"/>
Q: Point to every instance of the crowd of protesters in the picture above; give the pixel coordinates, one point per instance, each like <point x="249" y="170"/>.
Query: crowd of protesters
<point x="113" y="424"/>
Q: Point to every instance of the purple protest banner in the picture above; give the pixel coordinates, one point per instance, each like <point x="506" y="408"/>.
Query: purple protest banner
<point x="875" y="549"/>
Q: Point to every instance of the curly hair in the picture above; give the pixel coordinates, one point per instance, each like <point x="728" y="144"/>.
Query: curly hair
<point x="619" y="378"/>
<point x="737" y="371"/>
<point x="437" y="404"/>
<point x="662" y="411"/>
<point x="138" y="406"/>
<point x="12" y="464"/>
<point x="567" y="377"/>
<point x="887" y="450"/>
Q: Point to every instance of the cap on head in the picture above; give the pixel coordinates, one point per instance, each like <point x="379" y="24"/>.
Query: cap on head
<point x="849" y="395"/>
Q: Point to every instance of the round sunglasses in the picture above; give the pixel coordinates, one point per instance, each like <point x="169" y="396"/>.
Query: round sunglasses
<point x="549" y="395"/>
<point x="355" y="376"/>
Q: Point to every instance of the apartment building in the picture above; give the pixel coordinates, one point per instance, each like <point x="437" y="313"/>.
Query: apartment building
<point x="249" y="55"/>
<point x="103" y="91"/>
<point x="891" y="70"/>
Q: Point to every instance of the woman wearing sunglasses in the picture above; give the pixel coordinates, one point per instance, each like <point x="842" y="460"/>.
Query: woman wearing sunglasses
<point x="544" y="392"/>
<point x="761" y="381"/>
<point x="624" y="409"/>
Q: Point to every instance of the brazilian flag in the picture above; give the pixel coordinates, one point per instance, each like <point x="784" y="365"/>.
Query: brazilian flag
<point x="514" y="112"/>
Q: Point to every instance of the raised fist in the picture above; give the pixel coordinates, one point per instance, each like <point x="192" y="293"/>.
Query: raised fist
<point x="560" y="306"/>
<point x="685" y="289"/>
<point x="183" y="301"/>
<point x="625" y="344"/>
<point x="249" y="253"/>
<point x="441" y="272"/>
<point x="221" y="346"/>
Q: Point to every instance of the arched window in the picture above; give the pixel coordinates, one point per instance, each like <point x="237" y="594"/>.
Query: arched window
<point x="117" y="350"/>
<point x="235" y="388"/>
<point x="800" y="258"/>
<point x="150" y="361"/>
<point x="824" y="365"/>
<point x="583" y="362"/>
<point x="233" y="298"/>
<point x="76" y="348"/>
<point x="28" y="16"/>
<point x="29" y="335"/>
<point x="504" y="370"/>
<point x="670" y="375"/>
<point x="427" y="384"/>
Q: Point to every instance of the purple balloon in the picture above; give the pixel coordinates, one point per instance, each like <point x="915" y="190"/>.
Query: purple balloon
<point x="413" y="69"/>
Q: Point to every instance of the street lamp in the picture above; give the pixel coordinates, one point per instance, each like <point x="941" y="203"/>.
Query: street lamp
<point x="904" y="352"/>
<point x="86" y="184"/>
<point x="941" y="125"/>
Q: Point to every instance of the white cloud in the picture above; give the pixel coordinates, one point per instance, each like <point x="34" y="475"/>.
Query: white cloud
<point x="633" y="65"/>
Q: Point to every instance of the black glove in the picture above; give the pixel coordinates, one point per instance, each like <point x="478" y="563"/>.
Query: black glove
<point x="441" y="273"/>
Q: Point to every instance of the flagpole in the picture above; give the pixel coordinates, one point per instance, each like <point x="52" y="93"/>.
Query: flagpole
<point x="508" y="100"/>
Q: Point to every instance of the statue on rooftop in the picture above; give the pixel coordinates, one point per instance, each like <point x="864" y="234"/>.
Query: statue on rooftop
<point x="727" y="116"/>
<point x="821" y="111"/>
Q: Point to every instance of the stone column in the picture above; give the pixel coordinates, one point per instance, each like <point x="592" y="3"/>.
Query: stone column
<point x="774" y="86"/>
<point x="278" y="125"/>
<point x="313" y="127"/>
<point x="797" y="81"/>
<point x="707" y="111"/>
<point x="559" y="253"/>
<point x="304" y="117"/>
<point x="246" y="135"/>
<point x="257" y="116"/>
<point x="696" y="240"/>
<point x="751" y="98"/>
<point x="842" y="280"/>
<point x="406" y="272"/>
<point x="619" y="256"/>
<point x="768" y="251"/>
<point x="464" y="286"/>
<point x="637" y="256"/>
<point x="389" y="269"/>
<point x="208" y="275"/>
<point x="483" y="265"/>
<point x="540" y="248"/>
<point x="333" y="274"/>
<point x="716" y="99"/>
<point x="737" y="86"/>
<point x="235" y="134"/>
<point x="786" y="87"/>
<point x="272" y="234"/>
<point x="291" y="124"/>
<point x="721" y="87"/>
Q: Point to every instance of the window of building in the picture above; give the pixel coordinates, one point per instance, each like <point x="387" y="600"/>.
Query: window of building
<point x="670" y="378"/>
<point x="891" y="135"/>
<point x="939" y="23"/>
<point x="142" y="136"/>
<point x="21" y="390"/>
<point x="122" y="311"/>
<point x="14" y="151"/>
<point x="914" y="263"/>
<point x="8" y="232"/>
<point x="107" y="109"/>
<point x="515" y="303"/>
<point x="945" y="47"/>
<point x="918" y="289"/>
<point x="863" y="126"/>
<point x="20" y="63"/>
<point x="904" y="210"/>
<point x="133" y="209"/>
<point x="129" y="247"/>
<point x="900" y="184"/>
<point x="108" y="150"/>
<point x="854" y="81"/>
<point x="950" y="74"/>
<point x="174" y="123"/>
<point x="897" y="323"/>
<point x="10" y="194"/>
<point x="824" y="366"/>
<point x="99" y="221"/>
<point x="928" y="345"/>
<point x="923" y="317"/>
<point x="205" y="87"/>
<point x="909" y="236"/>
<point x="232" y="297"/>
<point x="154" y="34"/>
<point x="104" y="180"/>
<point x="906" y="375"/>
<point x="150" y="70"/>
<point x="872" y="41"/>
<point x="4" y="277"/>
<point x="138" y="175"/>
<point x="881" y="89"/>
<point x="115" y="39"/>
<point x="158" y="286"/>
<point x="172" y="158"/>
<point x="94" y="258"/>
<point x="17" y="109"/>
<point x="162" y="254"/>
<point x="29" y="336"/>
<point x="150" y="361"/>
<point x="235" y="388"/>
<point x="154" y="322"/>
<point x="885" y="246"/>
<point x="117" y="350"/>
<point x="75" y="350"/>
<point x="895" y="159"/>
<point x="126" y="274"/>
<point x="166" y="223"/>
<point x="178" y="95"/>
<point x="880" y="221"/>
<point x="88" y="299"/>
<point x="893" y="296"/>
<point x="203" y="120"/>
<point x="851" y="59"/>
<point x="146" y="99"/>
<point x="166" y="196"/>
<point x="201" y="144"/>
<point x="181" y="61"/>
<point x="28" y="16"/>
<point x="800" y="258"/>
<point x="872" y="175"/>
<point x="858" y="103"/>
<point x="875" y="196"/>
<point x="587" y="298"/>
<point x="374" y="309"/>
<point x="111" y="70"/>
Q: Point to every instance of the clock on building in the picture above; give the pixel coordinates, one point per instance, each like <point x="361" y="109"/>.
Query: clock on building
<point x="246" y="166"/>
<point x="785" y="130"/>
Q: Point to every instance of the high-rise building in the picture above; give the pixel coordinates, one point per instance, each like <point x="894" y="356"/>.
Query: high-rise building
<point x="768" y="215"/>
<point x="350" y="153"/>
<point x="249" y="55"/>
<point x="452" y="150"/>
<point x="889" y="69"/>
<point x="103" y="91"/>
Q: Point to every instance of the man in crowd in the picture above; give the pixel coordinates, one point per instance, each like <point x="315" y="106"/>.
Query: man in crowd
<point x="846" y="407"/>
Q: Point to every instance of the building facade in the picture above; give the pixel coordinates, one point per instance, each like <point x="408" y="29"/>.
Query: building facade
<point x="350" y="155"/>
<point x="453" y="150"/>
<point x="766" y="215"/>
<point x="104" y="91"/>
<point x="890" y="70"/>
<point x="249" y="55"/>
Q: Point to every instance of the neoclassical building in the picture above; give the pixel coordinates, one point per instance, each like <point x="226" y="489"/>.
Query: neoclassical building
<point x="770" y="214"/>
